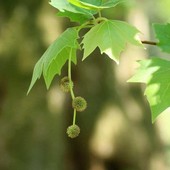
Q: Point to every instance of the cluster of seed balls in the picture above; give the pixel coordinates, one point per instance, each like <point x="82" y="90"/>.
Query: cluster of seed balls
<point x="78" y="103"/>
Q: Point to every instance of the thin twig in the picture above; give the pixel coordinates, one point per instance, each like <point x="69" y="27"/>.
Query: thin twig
<point x="149" y="42"/>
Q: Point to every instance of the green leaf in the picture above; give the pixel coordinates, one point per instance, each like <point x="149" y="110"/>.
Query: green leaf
<point x="112" y="3"/>
<point x="74" y="17"/>
<point x="36" y="73"/>
<point x="162" y="32"/>
<point x="64" y="5"/>
<point x="90" y="6"/>
<point x="111" y="37"/>
<point x="155" y="74"/>
<point x="56" y="56"/>
<point x="93" y="2"/>
<point x="57" y="64"/>
<point x="81" y="4"/>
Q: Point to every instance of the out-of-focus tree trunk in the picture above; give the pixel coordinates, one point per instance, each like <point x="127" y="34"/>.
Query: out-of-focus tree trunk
<point x="116" y="130"/>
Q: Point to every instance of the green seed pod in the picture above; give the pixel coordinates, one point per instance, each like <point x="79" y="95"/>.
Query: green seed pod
<point x="79" y="103"/>
<point x="65" y="85"/>
<point x="73" y="131"/>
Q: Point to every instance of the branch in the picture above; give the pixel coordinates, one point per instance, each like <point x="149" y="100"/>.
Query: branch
<point x="149" y="42"/>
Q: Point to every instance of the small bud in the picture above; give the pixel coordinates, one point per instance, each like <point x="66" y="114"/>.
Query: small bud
<point x="65" y="85"/>
<point x="79" y="103"/>
<point x="73" y="131"/>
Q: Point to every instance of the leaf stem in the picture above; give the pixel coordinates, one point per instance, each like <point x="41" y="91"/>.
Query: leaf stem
<point x="100" y="19"/>
<point x="74" y="117"/>
<point x="93" y="17"/>
<point x="100" y="14"/>
<point x="69" y="75"/>
<point x="149" y="42"/>
<point x="71" y="87"/>
<point x="85" y="25"/>
<point x="92" y="23"/>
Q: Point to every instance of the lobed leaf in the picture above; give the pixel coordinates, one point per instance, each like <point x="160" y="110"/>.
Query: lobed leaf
<point x="111" y="37"/>
<point x="155" y="74"/>
<point x="55" y="57"/>
<point x="162" y="32"/>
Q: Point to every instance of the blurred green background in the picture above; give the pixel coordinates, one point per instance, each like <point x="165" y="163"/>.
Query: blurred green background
<point x="116" y="129"/>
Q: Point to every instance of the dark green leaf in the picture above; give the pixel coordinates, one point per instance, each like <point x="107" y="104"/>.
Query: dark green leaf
<point x="74" y="17"/>
<point x="57" y="64"/>
<point x="56" y="56"/>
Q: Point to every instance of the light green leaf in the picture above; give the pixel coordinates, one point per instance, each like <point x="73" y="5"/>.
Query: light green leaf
<point x="64" y="5"/>
<point x="155" y="74"/>
<point x="162" y="32"/>
<point x="56" y="56"/>
<point x="90" y="6"/>
<point x="82" y="4"/>
<point x="93" y="2"/>
<point x="111" y="37"/>
<point x="112" y="3"/>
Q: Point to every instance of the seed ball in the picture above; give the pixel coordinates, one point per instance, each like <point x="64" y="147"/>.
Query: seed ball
<point x="65" y="84"/>
<point x="73" y="131"/>
<point x="79" y="103"/>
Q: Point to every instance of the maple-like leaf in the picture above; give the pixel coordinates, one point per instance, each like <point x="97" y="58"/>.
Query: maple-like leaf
<point x="56" y="56"/>
<point x="155" y="73"/>
<point x="111" y="37"/>
<point x="162" y="32"/>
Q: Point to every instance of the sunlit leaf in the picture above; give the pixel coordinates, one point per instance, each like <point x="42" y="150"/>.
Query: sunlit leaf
<point x="111" y="37"/>
<point x="112" y="3"/>
<point x="155" y="74"/>
<point x="93" y="2"/>
<point x="91" y="6"/>
<point x="64" y="5"/>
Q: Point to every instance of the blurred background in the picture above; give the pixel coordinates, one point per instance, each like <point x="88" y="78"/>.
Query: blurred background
<point x="116" y="129"/>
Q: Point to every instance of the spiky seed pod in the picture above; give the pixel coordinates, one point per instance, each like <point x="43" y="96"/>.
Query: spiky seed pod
<point x="79" y="103"/>
<point x="73" y="131"/>
<point x="65" y="85"/>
